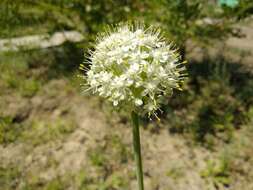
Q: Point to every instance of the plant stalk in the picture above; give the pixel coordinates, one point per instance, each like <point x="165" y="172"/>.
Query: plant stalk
<point x="137" y="149"/>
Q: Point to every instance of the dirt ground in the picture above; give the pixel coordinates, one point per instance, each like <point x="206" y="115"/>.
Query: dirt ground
<point x="170" y="161"/>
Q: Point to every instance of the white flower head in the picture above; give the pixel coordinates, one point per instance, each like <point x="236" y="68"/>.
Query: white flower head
<point x="133" y="65"/>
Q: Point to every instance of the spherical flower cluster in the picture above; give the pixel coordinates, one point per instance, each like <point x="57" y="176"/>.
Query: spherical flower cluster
<point x="134" y="66"/>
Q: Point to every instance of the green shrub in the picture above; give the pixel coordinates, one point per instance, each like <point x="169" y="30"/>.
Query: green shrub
<point x="9" y="131"/>
<point x="211" y="106"/>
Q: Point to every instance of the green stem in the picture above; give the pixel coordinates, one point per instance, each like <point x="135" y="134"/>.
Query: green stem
<point x="137" y="149"/>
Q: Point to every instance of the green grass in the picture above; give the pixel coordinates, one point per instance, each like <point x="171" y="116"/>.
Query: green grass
<point x="79" y="180"/>
<point x="175" y="173"/>
<point x="113" y="154"/>
<point x="99" y="156"/>
<point x="9" y="177"/>
<point x="40" y="132"/>
<point x="36" y="132"/>
<point x="218" y="172"/>
<point x="9" y="131"/>
<point x="16" y="75"/>
<point x="212" y="107"/>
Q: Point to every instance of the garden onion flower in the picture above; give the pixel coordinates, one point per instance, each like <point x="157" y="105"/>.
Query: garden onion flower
<point x="135" y="66"/>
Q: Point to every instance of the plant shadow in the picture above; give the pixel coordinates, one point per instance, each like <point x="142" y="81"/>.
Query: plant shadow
<point x="215" y="101"/>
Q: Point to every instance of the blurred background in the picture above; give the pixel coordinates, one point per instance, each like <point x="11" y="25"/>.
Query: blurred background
<point x="54" y="138"/>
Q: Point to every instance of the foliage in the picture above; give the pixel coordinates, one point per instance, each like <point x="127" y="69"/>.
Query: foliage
<point x="39" y="132"/>
<point x="192" y="19"/>
<point x="99" y="155"/>
<point x="9" y="177"/>
<point x="241" y="11"/>
<point x="22" y="17"/>
<point x="218" y="172"/>
<point x="198" y="20"/>
<point x="211" y="106"/>
<point x="9" y="131"/>
<point x="34" y="133"/>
